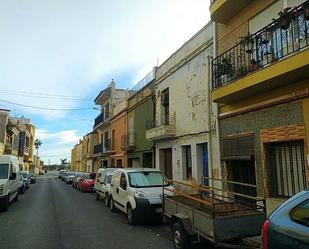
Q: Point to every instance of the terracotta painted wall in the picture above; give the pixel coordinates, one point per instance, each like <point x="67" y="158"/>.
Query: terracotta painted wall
<point x="119" y="126"/>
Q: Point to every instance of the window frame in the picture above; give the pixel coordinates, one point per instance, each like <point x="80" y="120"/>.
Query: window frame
<point x="303" y="203"/>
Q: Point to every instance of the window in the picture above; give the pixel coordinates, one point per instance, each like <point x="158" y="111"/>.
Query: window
<point x="4" y="171"/>
<point x="123" y="181"/>
<point x="286" y="168"/>
<point x="300" y="214"/>
<point x="98" y="176"/>
<point x="187" y="160"/>
<point x="146" y="179"/>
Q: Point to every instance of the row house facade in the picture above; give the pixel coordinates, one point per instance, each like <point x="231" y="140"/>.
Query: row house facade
<point x="184" y="129"/>
<point x="141" y="104"/>
<point x="17" y="137"/>
<point x="261" y="85"/>
<point x="107" y="99"/>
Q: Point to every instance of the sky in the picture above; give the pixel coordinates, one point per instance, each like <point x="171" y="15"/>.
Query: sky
<point x="59" y="54"/>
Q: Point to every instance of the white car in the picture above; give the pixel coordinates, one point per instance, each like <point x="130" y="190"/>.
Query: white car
<point x="137" y="192"/>
<point x="102" y="184"/>
<point x="9" y="180"/>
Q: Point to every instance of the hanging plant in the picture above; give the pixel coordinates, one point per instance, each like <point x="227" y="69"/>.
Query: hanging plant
<point x="285" y="18"/>
<point x="247" y="42"/>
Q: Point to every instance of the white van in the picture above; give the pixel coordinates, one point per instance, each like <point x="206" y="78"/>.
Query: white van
<point x="102" y="184"/>
<point x="9" y="180"/>
<point x="137" y="192"/>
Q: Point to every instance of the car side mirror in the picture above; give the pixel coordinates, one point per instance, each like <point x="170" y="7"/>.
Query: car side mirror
<point x="13" y="176"/>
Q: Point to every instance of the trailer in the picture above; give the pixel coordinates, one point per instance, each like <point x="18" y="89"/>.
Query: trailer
<point x="219" y="215"/>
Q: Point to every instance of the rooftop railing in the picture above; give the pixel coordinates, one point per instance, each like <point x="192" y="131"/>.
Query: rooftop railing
<point x="286" y="35"/>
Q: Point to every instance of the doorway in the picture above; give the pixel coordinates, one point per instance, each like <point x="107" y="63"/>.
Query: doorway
<point x="167" y="162"/>
<point x="242" y="171"/>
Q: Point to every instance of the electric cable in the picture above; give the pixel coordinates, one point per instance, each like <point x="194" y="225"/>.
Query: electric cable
<point x="49" y="109"/>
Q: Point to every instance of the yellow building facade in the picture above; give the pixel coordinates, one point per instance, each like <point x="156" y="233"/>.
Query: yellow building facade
<point x="262" y="87"/>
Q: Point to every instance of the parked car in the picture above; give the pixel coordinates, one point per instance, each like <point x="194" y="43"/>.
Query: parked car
<point x="9" y="180"/>
<point x="26" y="176"/>
<point x="102" y="184"/>
<point x="69" y="177"/>
<point x="60" y="172"/>
<point x="137" y="192"/>
<point x="86" y="182"/>
<point x="32" y="178"/>
<point x="288" y="225"/>
<point x="77" y="177"/>
<point x="23" y="183"/>
<point x="64" y="175"/>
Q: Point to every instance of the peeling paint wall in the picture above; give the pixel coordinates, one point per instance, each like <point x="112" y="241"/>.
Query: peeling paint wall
<point x="186" y="74"/>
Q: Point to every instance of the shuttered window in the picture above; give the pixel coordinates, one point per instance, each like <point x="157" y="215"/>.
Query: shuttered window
<point x="285" y="168"/>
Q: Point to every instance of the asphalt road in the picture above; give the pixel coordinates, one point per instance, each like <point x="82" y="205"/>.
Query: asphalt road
<point x="53" y="215"/>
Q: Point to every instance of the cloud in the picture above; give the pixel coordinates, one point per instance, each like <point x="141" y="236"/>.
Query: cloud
<point x="56" y="145"/>
<point x="73" y="46"/>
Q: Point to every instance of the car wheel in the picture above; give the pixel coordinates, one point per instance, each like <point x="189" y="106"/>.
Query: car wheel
<point x="16" y="198"/>
<point x="106" y="200"/>
<point x="97" y="197"/>
<point x="112" y="207"/>
<point x="180" y="236"/>
<point x="131" y="216"/>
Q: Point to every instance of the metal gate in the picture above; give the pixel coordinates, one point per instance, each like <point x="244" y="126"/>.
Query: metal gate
<point x="285" y="168"/>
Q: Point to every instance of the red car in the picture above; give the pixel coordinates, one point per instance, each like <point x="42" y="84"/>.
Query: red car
<point x="86" y="182"/>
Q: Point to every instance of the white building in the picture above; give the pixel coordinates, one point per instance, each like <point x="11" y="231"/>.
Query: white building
<point x="185" y="128"/>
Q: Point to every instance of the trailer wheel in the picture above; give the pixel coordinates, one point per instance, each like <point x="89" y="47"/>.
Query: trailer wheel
<point x="180" y="236"/>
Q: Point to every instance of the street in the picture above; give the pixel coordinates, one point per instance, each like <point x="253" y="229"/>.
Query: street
<point x="53" y="215"/>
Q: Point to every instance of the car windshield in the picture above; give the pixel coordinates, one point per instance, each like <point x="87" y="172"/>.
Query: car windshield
<point x="146" y="179"/>
<point x="4" y="171"/>
<point x="24" y="174"/>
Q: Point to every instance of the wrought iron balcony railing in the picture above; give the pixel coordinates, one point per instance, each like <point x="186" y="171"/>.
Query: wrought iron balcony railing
<point x="284" y="36"/>
<point x="102" y="117"/>
<point x="127" y="140"/>
<point x="99" y="119"/>
<point x="98" y="148"/>
<point x="161" y="120"/>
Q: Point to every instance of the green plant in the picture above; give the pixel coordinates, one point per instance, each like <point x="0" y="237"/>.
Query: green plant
<point x="246" y="42"/>
<point x="224" y="67"/>
<point x="285" y="18"/>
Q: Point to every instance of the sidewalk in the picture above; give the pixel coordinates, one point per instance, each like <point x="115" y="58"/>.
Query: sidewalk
<point x="253" y="241"/>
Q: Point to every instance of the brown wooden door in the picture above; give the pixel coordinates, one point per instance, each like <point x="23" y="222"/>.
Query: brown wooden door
<point x="168" y="163"/>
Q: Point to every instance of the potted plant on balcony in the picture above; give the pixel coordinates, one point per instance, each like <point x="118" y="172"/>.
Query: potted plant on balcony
<point x="254" y="65"/>
<point x="246" y="42"/>
<point x="266" y="35"/>
<point x="224" y="70"/>
<point x="285" y="18"/>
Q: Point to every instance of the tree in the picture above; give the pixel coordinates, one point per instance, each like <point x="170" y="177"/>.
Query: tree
<point x="64" y="161"/>
<point x="37" y="145"/>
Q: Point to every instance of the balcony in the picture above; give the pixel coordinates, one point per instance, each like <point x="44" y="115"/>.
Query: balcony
<point x="102" y="148"/>
<point x="272" y="57"/>
<point x="160" y="128"/>
<point x="223" y="10"/>
<point x="127" y="142"/>
<point x="101" y="120"/>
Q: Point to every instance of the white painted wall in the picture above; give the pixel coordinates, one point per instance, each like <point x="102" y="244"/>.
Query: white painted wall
<point x="187" y="75"/>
